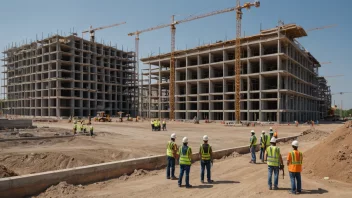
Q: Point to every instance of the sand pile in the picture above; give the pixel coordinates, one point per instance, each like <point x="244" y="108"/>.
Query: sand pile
<point x="313" y="135"/>
<point x="332" y="157"/>
<point x="4" y="172"/>
<point x="61" y="190"/>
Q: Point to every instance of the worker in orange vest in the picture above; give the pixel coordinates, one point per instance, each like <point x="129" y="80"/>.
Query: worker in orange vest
<point x="276" y="134"/>
<point x="294" y="163"/>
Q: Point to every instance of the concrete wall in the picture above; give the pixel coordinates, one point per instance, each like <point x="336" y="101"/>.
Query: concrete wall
<point x="18" y="124"/>
<point x="27" y="185"/>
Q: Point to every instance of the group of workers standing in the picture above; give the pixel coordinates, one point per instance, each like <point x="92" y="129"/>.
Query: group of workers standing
<point x="80" y="127"/>
<point x="156" y="125"/>
<point x="270" y="153"/>
<point x="184" y="153"/>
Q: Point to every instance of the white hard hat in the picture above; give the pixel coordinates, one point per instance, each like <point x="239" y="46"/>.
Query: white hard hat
<point x="271" y="127"/>
<point x="252" y="131"/>
<point x="295" y="143"/>
<point x="91" y="127"/>
<point x="173" y="135"/>
<point x="205" y="138"/>
<point x="263" y="131"/>
<point x="185" y="140"/>
<point x="273" y="140"/>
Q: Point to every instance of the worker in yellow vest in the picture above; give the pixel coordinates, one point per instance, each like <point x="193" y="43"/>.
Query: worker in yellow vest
<point x="171" y="152"/>
<point x="264" y="142"/>
<point x="159" y="125"/>
<point x="74" y="128"/>
<point x="156" y="127"/>
<point x="294" y="163"/>
<point x="206" y="156"/>
<point x="185" y="162"/>
<point x="164" y="125"/>
<point x="253" y="146"/>
<point x="79" y="127"/>
<point x="274" y="161"/>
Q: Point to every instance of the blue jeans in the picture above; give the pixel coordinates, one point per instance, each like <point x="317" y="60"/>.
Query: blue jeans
<point x="254" y="158"/>
<point x="295" y="177"/>
<point x="274" y="169"/>
<point x="262" y="151"/>
<point x="205" y="164"/>
<point x="184" y="168"/>
<point x="170" y="165"/>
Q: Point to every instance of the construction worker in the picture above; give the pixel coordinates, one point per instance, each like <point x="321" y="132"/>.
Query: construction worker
<point x="264" y="140"/>
<point x="164" y="125"/>
<point x="159" y="126"/>
<point x="185" y="162"/>
<point x="276" y="134"/>
<point x="79" y="127"/>
<point x="271" y="132"/>
<point x="155" y="125"/>
<point x="206" y="156"/>
<point x="274" y="160"/>
<point x="253" y="146"/>
<point x="152" y="123"/>
<point x="171" y="152"/>
<point x="294" y="163"/>
<point x="91" y="130"/>
<point x="74" y="128"/>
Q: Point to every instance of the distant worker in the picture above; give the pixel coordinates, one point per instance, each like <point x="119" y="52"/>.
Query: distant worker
<point x="253" y="146"/>
<point x="152" y="123"/>
<point x="296" y="123"/>
<point x="164" y="125"/>
<point x="159" y="125"/>
<point x="74" y="128"/>
<point x="171" y="152"/>
<point x="206" y="156"/>
<point x="274" y="161"/>
<point x="294" y="163"/>
<point x="156" y="125"/>
<point x="264" y="140"/>
<point x="79" y="127"/>
<point x="91" y="130"/>
<point x="271" y="132"/>
<point x="276" y="135"/>
<point x="185" y="162"/>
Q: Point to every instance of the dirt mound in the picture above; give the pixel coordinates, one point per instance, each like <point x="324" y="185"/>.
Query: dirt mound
<point x="232" y="155"/>
<point x="312" y="135"/>
<point x="332" y="157"/>
<point x="4" y="172"/>
<point x="62" y="189"/>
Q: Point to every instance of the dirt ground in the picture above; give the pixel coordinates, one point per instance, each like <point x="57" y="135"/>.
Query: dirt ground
<point x="234" y="177"/>
<point x="118" y="141"/>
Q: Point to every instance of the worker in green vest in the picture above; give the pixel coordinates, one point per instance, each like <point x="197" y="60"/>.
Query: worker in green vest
<point x="74" y="128"/>
<point x="91" y="130"/>
<point x="264" y="142"/>
<point x="274" y="160"/>
<point x="206" y="156"/>
<point x="271" y="132"/>
<point x="253" y="146"/>
<point x="156" y="125"/>
<point x="185" y="162"/>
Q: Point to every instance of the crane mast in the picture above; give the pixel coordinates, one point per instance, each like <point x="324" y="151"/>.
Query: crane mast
<point x="172" y="70"/>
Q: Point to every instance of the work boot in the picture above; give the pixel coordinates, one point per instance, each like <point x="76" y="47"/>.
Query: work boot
<point x="174" y="178"/>
<point x="270" y="188"/>
<point x="276" y="188"/>
<point x="189" y="186"/>
<point x="202" y="181"/>
<point x="210" y="181"/>
<point x="167" y="177"/>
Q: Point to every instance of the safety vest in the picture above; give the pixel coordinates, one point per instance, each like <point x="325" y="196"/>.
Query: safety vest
<point x="205" y="155"/>
<point x="264" y="140"/>
<point x="253" y="140"/>
<point x="273" y="156"/>
<point x="170" y="148"/>
<point x="296" y="162"/>
<point x="91" y="128"/>
<point x="184" y="159"/>
<point x="275" y="134"/>
<point x="155" y="123"/>
<point x="75" y="126"/>
<point x="295" y="159"/>
<point x="267" y="140"/>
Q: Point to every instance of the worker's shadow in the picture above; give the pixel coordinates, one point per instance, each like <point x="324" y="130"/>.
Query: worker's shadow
<point x="226" y="182"/>
<point x="203" y="186"/>
<point x="318" y="191"/>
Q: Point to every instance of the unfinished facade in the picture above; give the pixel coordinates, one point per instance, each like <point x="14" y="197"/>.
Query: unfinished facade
<point x="63" y="76"/>
<point x="324" y="94"/>
<point x="278" y="80"/>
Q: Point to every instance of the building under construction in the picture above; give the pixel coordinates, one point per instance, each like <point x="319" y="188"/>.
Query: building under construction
<point x="63" y="76"/>
<point x="278" y="80"/>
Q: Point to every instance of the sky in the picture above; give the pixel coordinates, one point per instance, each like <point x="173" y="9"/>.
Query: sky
<point x="22" y="20"/>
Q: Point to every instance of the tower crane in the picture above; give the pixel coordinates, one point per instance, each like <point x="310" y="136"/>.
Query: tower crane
<point x="321" y="28"/>
<point x="92" y="31"/>
<point x="341" y="93"/>
<point x="172" y="25"/>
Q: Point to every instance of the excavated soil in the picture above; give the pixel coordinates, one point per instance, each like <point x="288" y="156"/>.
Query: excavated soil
<point x="4" y="172"/>
<point x="313" y="135"/>
<point x="332" y="157"/>
<point x="60" y="190"/>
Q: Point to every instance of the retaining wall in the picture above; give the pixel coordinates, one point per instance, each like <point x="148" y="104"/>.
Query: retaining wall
<point x="18" y="124"/>
<point x="27" y="185"/>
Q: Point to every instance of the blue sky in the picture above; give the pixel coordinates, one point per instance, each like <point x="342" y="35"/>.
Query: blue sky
<point x="21" y="20"/>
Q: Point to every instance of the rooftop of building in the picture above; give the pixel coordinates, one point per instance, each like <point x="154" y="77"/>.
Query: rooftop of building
<point x="291" y="31"/>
